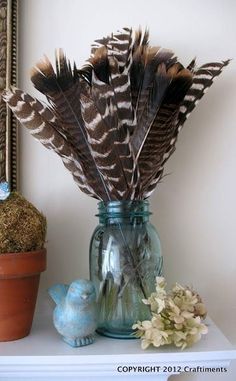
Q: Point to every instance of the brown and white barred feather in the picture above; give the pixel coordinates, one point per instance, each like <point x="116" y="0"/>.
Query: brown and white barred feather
<point x="63" y="90"/>
<point x="162" y="130"/>
<point x="203" y="78"/>
<point x="119" y="45"/>
<point x="110" y="143"/>
<point x="40" y="121"/>
<point x="114" y="96"/>
<point x="118" y="49"/>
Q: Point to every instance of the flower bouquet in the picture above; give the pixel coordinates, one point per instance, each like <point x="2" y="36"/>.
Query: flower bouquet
<point x="176" y="317"/>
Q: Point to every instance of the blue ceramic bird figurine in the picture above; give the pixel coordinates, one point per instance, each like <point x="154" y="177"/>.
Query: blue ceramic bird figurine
<point x="75" y="314"/>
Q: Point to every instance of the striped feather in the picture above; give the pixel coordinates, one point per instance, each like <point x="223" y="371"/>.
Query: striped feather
<point x="63" y="90"/>
<point x="117" y="52"/>
<point x="118" y="45"/>
<point x="39" y="120"/>
<point x="203" y="78"/>
<point x="105" y="136"/>
<point x="151" y="89"/>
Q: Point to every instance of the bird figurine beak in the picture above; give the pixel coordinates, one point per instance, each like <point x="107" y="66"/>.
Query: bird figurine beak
<point x="84" y="296"/>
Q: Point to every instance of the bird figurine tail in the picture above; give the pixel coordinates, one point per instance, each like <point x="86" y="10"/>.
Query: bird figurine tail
<point x="58" y="292"/>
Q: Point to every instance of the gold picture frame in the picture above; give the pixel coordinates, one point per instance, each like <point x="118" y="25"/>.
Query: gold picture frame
<point x="8" y="76"/>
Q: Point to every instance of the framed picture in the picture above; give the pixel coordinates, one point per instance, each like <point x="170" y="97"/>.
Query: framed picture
<point x="8" y="76"/>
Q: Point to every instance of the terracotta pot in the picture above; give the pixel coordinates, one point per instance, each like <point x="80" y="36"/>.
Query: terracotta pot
<point x="19" y="281"/>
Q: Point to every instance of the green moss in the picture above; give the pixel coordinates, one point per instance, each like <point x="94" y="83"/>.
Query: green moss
<point x="22" y="226"/>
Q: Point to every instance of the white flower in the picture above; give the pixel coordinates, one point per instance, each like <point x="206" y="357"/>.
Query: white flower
<point x="176" y="317"/>
<point x="146" y="324"/>
<point x="160" y="282"/>
<point x="151" y="301"/>
<point x="156" y="302"/>
<point x="200" y="310"/>
<point x="145" y="343"/>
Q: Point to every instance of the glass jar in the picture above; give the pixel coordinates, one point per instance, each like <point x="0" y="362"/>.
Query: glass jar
<point x="125" y="258"/>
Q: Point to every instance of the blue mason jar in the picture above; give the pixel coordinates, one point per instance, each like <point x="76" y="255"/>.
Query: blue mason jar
<point x="125" y="258"/>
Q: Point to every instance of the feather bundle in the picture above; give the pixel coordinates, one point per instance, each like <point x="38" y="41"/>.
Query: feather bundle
<point x="115" y="121"/>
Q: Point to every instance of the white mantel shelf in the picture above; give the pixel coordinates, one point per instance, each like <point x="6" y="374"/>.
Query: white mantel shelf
<point x="44" y="356"/>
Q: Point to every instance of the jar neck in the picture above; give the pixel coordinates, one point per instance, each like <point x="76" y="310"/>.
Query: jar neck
<point x="129" y="212"/>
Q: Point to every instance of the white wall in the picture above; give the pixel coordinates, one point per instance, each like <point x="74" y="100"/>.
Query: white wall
<point x="194" y="209"/>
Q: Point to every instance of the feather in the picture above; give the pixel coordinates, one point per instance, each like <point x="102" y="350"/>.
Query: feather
<point x="40" y="121"/>
<point x="111" y="148"/>
<point x="116" y="51"/>
<point x="63" y="90"/>
<point x="163" y="127"/>
<point x="120" y="83"/>
<point x="153" y="81"/>
<point x="141" y="39"/>
<point x="114" y="100"/>
<point x="119" y="45"/>
<point x="143" y="69"/>
<point x="203" y="78"/>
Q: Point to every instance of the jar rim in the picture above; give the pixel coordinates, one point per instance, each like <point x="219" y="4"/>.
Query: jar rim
<point x="119" y="208"/>
<point x="123" y="202"/>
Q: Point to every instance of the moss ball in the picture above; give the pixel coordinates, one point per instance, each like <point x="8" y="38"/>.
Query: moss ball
<point x="22" y="226"/>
